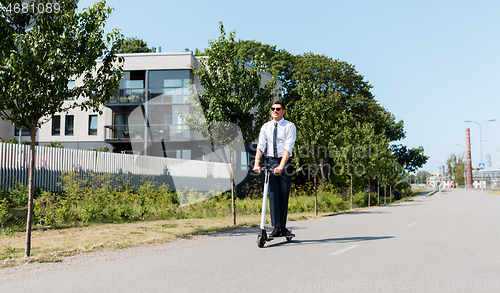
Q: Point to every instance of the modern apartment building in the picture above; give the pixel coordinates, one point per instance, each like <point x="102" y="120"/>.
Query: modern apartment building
<point x="144" y="115"/>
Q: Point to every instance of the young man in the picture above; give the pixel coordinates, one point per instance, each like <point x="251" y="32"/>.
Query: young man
<point x="278" y="135"/>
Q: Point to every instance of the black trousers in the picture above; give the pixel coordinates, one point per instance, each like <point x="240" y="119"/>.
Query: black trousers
<point x="279" y="191"/>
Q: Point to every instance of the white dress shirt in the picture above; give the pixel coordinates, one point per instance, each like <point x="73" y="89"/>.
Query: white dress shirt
<point x="286" y="137"/>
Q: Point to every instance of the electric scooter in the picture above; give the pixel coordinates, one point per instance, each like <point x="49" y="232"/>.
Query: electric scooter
<point x="263" y="238"/>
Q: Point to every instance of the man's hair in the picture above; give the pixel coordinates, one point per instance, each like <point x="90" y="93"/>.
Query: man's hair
<point x="279" y="102"/>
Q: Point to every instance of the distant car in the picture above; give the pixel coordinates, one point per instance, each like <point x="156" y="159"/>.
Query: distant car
<point x="453" y="185"/>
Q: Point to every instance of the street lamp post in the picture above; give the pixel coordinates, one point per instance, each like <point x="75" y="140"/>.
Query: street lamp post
<point x="481" y="145"/>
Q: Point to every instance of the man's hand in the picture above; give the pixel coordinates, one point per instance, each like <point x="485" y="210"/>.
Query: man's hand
<point x="278" y="170"/>
<point x="256" y="164"/>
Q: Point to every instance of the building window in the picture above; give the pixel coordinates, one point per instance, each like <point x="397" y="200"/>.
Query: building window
<point x="183" y="154"/>
<point x="244" y="160"/>
<point x="121" y="128"/>
<point x="69" y="125"/>
<point x="121" y="119"/>
<point x="169" y="86"/>
<point x="24" y="132"/>
<point x="93" y="125"/>
<point x="71" y="85"/>
<point x="56" y="125"/>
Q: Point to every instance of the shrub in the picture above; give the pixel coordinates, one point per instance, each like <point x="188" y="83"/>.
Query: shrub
<point x="4" y="211"/>
<point x="18" y="195"/>
<point x="360" y="199"/>
<point x="404" y="188"/>
<point x="330" y="202"/>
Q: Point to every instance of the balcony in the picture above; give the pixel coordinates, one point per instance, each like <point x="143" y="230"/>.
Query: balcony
<point x="118" y="133"/>
<point x="125" y="97"/>
<point x="128" y="133"/>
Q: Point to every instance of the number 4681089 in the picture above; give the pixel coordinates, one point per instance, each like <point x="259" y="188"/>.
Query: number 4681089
<point x="18" y="8"/>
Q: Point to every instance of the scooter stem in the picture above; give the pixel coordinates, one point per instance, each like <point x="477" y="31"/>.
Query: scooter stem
<point x="264" y="200"/>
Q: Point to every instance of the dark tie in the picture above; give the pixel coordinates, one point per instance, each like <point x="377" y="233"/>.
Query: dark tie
<point x="275" y="147"/>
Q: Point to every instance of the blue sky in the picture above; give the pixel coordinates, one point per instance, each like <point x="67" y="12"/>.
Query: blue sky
<point x="433" y="64"/>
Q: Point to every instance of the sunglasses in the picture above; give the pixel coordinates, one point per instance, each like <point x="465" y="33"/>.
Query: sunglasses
<point x="277" y="109"/>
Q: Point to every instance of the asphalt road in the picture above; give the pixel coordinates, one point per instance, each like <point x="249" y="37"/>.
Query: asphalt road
<point x="449" y="242"/>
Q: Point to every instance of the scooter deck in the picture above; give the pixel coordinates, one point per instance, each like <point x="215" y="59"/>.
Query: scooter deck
<point x="269" y="238"/>
<point x="264" y="237"/>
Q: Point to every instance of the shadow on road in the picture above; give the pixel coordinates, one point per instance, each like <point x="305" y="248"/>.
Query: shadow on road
<point x="329" y="240"/>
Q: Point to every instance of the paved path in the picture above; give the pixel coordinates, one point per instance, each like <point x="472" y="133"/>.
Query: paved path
<point x="449" y="242"/>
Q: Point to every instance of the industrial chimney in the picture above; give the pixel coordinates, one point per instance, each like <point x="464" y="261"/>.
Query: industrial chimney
<point x="469" y="161"/>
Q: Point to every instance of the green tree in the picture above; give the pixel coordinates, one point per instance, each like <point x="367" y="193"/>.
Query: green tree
<point x="456" y="168"/>
<point x="410" y="159"/>
<point x="329" y="75"/>
<point x="313" y="138"/>
<point x="38" y="63"/>
<point x="134" y="45"/>
<point x="277" y="62"/>
<point x="316" y="80"/>
<point x="326" y="74"/>
<point x="378" y="149"/>
<point x="233" y="102"/>
<point x="357" y="141"/>
<point x="385" y="163"/>
<point x="395" y="173"/>
<point x="422" y="176"/>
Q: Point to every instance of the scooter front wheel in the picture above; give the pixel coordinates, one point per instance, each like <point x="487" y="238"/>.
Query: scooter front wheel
<point x="260" y="241"/>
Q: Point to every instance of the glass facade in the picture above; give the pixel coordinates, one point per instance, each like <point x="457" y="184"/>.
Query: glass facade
<point x="166" y="93"/>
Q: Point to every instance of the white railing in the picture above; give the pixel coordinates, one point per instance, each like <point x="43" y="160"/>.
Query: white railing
<point x="50" y="163"/>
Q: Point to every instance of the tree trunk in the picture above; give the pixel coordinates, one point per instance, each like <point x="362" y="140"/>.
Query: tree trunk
<point x="390" y="193"/>
<point x="378" y="192"/>
<point x="31" y="189"/>
<point x="321" y="169"/>
<point x="329" y="173"/>
<point x="351" y="193"/>
<point x="385" y="194"/>
<point x="233" y="206"/>
<point x="315" y="197"/>
<point x="369" y="193"/>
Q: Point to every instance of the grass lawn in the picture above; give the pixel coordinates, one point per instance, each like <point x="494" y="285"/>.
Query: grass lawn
<point x="54" y="244"/>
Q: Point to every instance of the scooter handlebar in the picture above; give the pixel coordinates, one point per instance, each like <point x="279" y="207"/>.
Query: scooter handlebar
<point x="267" y="168"/>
